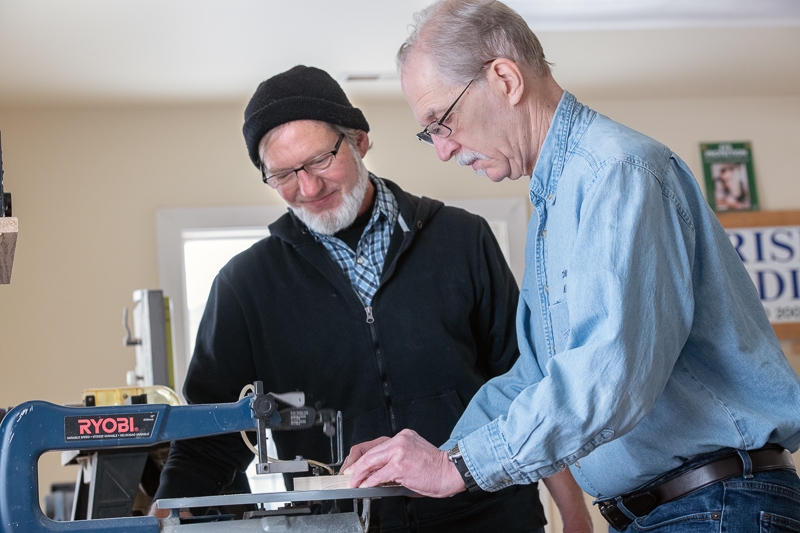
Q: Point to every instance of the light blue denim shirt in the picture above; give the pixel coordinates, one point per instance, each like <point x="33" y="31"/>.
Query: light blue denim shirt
<point x="643" y="341"/>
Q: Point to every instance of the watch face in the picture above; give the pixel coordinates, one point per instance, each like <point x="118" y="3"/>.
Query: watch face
<point x="454" y="453"/>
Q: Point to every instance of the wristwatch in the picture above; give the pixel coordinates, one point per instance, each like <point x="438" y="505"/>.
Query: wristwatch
<point x="454" y="454"/>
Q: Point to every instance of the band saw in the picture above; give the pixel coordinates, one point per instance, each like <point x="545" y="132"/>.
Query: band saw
<point x="33" y="428"/>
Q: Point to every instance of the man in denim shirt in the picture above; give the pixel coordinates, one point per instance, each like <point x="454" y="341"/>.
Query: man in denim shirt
<point x="648" y="365"/>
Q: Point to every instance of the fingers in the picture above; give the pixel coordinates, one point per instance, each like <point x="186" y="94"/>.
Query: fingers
<point x="377" y="468"/>
<point x="369" y="462"/>
<point x="359" y="450"/>
<point x="370" y="470"/>
<point x="355" y="455"/>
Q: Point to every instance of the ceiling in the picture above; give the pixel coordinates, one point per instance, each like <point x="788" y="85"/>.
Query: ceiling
<point x="147" y="51"/>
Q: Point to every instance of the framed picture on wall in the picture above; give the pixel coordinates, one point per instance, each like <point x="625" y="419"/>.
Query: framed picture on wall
<point x="729" y="177"/>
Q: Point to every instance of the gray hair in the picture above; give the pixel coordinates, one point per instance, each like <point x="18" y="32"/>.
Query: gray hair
<point x="350" y="136"/>
<point x="459" y="36"/>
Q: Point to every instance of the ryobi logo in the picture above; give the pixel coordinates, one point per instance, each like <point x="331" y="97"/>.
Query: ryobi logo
<point x="138" y="425"/>
<point x="89" y="426"/>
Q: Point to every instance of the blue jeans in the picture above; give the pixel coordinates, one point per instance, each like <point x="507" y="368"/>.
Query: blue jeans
<point x="768" y="502"/>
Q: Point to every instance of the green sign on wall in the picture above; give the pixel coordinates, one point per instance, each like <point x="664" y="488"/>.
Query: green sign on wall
<point x="729" y="177"/>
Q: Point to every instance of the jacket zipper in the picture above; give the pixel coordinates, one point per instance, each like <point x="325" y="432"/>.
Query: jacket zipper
<point x="379" y="358"/>
<point x="387" y="272"/>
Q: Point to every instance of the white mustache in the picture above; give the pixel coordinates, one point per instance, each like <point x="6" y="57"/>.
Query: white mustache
<point x="467" y="157"/>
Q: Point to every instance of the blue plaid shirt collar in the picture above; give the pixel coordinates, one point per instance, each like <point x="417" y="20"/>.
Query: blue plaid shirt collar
<point x="364" y="266"/>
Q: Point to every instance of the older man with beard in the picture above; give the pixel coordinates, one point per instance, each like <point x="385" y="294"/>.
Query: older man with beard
<point x="391" y="308"/>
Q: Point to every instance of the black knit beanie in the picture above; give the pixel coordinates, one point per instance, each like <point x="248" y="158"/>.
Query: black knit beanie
<point x="301" y="93"/>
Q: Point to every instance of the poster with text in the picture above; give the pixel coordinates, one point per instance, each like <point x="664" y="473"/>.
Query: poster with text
<point x="729" y="177"/>
<point x="771" y="255"/>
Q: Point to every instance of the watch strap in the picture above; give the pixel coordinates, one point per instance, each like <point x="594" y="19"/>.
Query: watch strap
<point x="454" y="454"/>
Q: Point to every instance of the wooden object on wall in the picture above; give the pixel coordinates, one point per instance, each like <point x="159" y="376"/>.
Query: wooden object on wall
<point x="9" y="226"/>
<point x="754" y="219"/>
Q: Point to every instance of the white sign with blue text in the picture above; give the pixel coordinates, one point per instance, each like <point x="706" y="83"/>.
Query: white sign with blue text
<point x="772" y="257"/>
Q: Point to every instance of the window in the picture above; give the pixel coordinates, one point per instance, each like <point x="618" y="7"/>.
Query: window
<point x="205" y="252"/>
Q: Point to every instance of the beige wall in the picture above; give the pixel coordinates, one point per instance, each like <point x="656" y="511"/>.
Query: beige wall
<point x="87" y="182"/>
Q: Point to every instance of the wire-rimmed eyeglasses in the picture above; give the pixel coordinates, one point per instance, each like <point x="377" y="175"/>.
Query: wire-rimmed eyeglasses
<point x="314" y="166"/>
<point x="437" y="127"/>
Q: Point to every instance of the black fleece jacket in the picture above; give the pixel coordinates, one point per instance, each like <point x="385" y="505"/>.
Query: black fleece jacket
<point x="283" y="312"/>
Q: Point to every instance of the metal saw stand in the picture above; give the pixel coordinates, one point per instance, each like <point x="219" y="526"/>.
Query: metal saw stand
<point x="291" y="519"/>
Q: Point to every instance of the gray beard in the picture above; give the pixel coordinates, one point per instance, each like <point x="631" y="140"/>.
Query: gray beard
<point x="342" y="217"/>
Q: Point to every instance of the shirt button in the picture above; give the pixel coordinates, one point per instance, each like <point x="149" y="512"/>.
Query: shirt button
<point x="544" y="233"/>
<point x="547" y="288"/>
<point x="549" y="197"/>
<point x="360" y="260"/>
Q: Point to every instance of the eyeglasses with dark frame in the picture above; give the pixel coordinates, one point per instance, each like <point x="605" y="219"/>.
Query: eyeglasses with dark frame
<point x="314" y="166"/>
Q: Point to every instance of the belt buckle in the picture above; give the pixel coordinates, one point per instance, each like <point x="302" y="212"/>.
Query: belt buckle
<point x="616" y="518"/>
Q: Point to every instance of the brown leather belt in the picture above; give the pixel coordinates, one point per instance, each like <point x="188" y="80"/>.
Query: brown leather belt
<point x="644" y="501"/>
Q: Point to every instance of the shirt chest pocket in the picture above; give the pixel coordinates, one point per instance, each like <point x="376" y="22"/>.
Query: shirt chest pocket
<point x="559" y="318"/>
